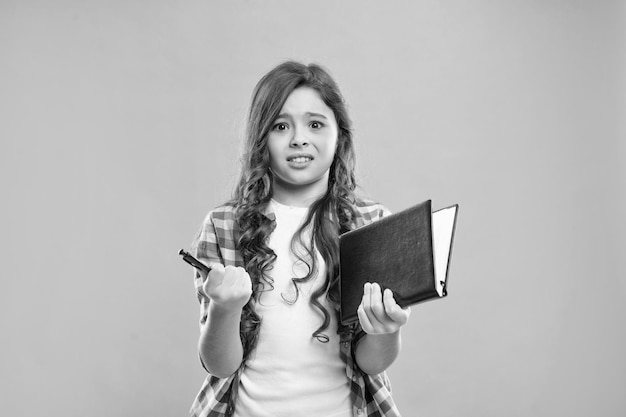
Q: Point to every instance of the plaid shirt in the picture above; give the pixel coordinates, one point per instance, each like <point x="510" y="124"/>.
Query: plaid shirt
<point x="216" y="242"/>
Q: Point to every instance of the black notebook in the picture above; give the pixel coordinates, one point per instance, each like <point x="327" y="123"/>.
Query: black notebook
<point x="407" y="252"/>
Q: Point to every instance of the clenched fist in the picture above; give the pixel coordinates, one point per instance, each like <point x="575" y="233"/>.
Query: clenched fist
<point x="228" y="287"/>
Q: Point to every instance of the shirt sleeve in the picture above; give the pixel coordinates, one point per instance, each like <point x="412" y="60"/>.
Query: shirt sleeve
<point x="206" y="248"/>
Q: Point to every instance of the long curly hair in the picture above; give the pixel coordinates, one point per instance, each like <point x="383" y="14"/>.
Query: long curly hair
<point x="328" y="217"/>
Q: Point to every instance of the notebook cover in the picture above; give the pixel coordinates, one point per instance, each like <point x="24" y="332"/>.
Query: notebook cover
<point x="396" y="252"/>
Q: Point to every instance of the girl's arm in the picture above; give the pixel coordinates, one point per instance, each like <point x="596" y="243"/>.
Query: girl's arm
<point x="229" y="289"/>
<point x="381" y="318"/>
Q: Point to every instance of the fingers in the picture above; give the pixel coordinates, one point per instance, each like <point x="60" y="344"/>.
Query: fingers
<point x="373" y="304"/>
<point x="242" y="280"/>
<point x="229" y="277"/>
<point x="393" y="310"/>
<point x="379" y="313"/>
<point x="371" y="312"/>
<point x="236" y="278"/>
<point x="224" y="275"/>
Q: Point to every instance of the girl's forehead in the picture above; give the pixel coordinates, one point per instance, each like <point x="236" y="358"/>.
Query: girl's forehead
<point x="305" y="100"/>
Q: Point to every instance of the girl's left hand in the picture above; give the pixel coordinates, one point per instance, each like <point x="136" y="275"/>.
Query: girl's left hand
<point x="379" y="313"/>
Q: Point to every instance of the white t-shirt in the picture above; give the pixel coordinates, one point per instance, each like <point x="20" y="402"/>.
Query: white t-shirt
<point x="290" y="373"/>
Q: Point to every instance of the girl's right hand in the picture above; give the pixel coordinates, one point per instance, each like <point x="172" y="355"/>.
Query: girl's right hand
<point x="228" y="287"/>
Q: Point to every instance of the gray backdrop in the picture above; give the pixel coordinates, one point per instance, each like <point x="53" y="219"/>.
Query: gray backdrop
<point x="121" y="125"/>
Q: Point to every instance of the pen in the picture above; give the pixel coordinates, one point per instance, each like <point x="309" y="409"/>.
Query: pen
<point x="187" y="257"/>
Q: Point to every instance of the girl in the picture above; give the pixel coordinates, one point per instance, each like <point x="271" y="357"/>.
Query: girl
<point x="269" y="332"/>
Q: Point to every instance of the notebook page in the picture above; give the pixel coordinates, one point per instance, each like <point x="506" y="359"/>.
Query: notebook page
<point x="443" y="224"/>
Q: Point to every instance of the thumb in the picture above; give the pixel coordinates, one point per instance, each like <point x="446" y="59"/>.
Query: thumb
<point x="217" y="267"/>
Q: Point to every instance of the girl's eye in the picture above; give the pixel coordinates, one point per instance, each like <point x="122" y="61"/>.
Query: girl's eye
<point x="316" y="125"/>
<point x="280" y="126"/>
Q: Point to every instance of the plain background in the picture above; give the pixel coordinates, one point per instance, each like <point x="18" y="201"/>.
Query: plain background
<point x="121" y="126"/>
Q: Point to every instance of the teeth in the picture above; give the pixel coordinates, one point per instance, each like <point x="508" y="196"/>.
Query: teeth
<point x="301" y="159"/>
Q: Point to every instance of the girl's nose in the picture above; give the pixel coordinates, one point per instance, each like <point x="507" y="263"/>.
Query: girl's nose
<point x="298" y="140"/>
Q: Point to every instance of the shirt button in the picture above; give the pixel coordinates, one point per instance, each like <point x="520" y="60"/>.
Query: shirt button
<point x="359" y="411"/>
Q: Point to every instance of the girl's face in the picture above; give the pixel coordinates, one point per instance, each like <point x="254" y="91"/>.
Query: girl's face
<point x="302" y="143"/>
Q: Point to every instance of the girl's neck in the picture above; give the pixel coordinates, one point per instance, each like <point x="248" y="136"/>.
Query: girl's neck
<point x="296" y="196"/>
